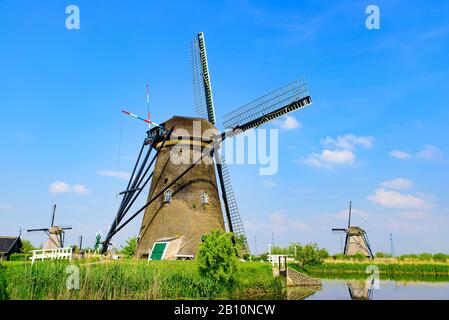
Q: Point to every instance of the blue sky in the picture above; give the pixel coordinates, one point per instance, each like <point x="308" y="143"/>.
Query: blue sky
<point x="376" y="133"/>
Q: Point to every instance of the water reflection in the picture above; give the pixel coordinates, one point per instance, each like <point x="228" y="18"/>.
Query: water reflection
<point x="358" y="290"/>
<point x="388" y="290"/>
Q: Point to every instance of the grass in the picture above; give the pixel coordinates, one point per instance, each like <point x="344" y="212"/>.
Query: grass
<point x="126" y="280"/>
<point x="387" y="270"/>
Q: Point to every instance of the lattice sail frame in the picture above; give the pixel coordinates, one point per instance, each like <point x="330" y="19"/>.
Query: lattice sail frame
<point x="202" y="89"/>
<point x="280" y="102"/>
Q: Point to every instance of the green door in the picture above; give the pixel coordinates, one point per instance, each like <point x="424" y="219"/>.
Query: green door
<point x="158" y="251"/>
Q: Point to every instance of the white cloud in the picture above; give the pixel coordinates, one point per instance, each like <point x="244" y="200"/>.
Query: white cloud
<point x="278" y="222"/>
<point x="80" y="189"/>
<point x="348" y="142"/>
<point x="329" y="158"/>
<point x="399" y="183"/>
<point x="59" y="187"/>
<point x="400" y="154"/>
<point x="6" y="207"/>
<point x="414" y="215"/>
<point x="339" y="151"/>
<point x="63" y="187"/>
<point x="428" y="152"/>
<point x="394" y="199"/>
<point x="121" y="175"/>
<point x="344" y="214"/>
<point x="290" y="123"/>
<point x="270" y="184"/>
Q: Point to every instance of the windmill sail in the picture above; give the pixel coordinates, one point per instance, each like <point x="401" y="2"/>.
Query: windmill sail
<point x="202" y="90"/>
<point x="269" y="107"/>
<point x="204" y="108"/>
<point x="235" y="224"/>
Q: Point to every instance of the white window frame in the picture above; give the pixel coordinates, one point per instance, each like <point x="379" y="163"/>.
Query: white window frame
<point x="168" y="193"/>
<point x="204" y="196"/>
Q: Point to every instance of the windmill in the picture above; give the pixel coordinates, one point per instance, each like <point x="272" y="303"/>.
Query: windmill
<point x="358" y="290"/>
<point x="184" y="200"/>
<point x="356" y="239"/>
<point x="56" y="234"/>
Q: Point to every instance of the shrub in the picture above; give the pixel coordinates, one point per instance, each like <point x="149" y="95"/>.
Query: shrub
<point x="130" y="248"/>
<point x="280" y="250"/>
<point x="217" y="259"/>
<point x="3" y="291"/>
<point x="440" y="257"/>
<point x="425" y="256"/>
<point x="383" y="255"/>
<point x="309" y="255"/>
<point x="19" y="257"/>
<point x="27" y="246"/>
<point x="359" y="256"/>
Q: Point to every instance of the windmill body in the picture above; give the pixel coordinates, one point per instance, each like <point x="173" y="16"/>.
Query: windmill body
<point x="191" y="207"/>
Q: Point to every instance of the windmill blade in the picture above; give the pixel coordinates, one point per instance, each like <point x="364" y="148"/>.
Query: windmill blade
<point x="66" y="228"/>
<point x="350" y="211"/>
<point x="269" y="107"/>
<point x="36" y="230"/>
<point x="232" y="211"/>
<point x="53" y="216"/>
<point x="202" y="90"/>
<point x="339" y="230"/>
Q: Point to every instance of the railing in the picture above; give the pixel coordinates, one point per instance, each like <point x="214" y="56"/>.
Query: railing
<point x="51" y="254"/>
<point x="276" y="258"/>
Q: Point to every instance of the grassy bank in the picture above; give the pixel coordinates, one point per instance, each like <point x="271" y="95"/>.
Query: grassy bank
<point x="391" y="271"/>
<point x="133" y="280"/>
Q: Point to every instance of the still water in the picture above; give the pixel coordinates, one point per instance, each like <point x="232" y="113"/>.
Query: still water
<point x="388" y="290"/>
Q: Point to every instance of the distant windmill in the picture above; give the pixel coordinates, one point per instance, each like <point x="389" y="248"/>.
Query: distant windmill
<point x="356" y="239"/>
<point x="56" y="234"/>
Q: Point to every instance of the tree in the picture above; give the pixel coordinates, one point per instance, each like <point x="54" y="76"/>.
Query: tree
<point x="308" y="255"/>
<point x="217" y="259"/>
<point x="130" y="248"/>
<point x="27" y="246"/>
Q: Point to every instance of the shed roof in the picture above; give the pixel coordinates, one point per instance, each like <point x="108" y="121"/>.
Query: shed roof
<point x="6" y="243"/>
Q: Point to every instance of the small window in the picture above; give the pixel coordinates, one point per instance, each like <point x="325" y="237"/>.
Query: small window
<point x="204" y="198"/>
<point x="167" y="196"/>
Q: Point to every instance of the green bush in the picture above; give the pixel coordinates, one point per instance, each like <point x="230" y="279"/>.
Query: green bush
<point x="217" y="259"/>
<point x="3" y="291"/>
<point x="425" y="256"/>
<point x="358" y="256"/>
<point x="383" y="255"/>
<point x="440" y="257"/>
<point x="408" y="256"/>
<point x="19" y="257"/>
<point x="27" y="246"/>
<point x="309" y="255"/>
<point x="129" y="250"/>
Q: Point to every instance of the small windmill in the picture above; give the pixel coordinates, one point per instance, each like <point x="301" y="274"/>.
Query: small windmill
<point x="56" y="234"/>
<point x="184" y="199"/>
<point x="356" y="239"/>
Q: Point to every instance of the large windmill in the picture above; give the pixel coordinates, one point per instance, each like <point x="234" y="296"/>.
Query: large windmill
<point x="56" y="234"/>
<point x="356" y="239"/>
<point x="184" y="199"/>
